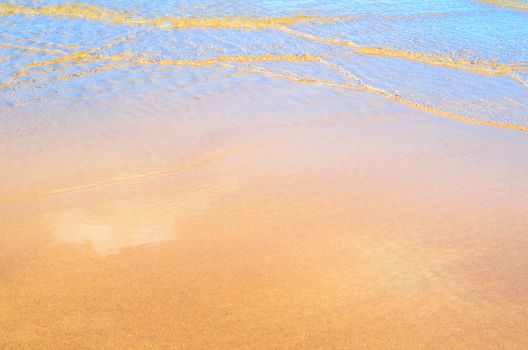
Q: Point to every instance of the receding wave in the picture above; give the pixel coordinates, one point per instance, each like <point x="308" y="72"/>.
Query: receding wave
<point x="477" y="66"/>
<point x="481" y="67"/>
<point x="99" y="14"/>
<point x="49" y="62"/>
<point x="81" y="58"/>
<point x="512" y="4"/>
<point x="361" y="87"/>
<point x="109" y="62"/>
<point x="32" y="48"/>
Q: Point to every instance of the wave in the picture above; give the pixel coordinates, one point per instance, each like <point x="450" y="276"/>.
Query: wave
<point x="511" y="4"/>
<point x="481" y="67"/>
<point x="103" y="15"/>
<point x="357" y="85"/>
<point x="99" y="14"/>
<point x="32" y="49"/>
<point x="92" y="56"/>
<point x="95" y="60"/>
<point x="109" y="62"/>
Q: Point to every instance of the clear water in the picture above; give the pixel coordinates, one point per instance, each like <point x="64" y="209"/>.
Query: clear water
<point x="455" y="58"/>
<point x="248" y="174"/>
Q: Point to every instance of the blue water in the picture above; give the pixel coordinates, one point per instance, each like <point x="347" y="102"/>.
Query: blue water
<point x="485" y="45"/>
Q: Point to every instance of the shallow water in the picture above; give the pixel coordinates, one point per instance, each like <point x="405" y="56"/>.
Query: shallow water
<point x="263" y="175"/>
<point x="231" y="222"/>
<point x="460" y="59"/>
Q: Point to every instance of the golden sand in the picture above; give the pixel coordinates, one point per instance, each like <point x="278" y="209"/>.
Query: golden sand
<point x="382" y="230"/>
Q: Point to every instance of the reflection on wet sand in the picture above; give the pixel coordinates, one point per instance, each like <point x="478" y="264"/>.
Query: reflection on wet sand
<point x="109" y="230"/>
<point x="345" y="235"/>
<point x="110" y="220"/>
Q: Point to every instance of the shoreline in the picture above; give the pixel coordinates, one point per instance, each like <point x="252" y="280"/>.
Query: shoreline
<point x="311" y="220"/>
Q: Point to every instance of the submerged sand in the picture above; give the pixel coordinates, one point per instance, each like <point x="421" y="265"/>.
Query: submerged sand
<point x="261" y="218"/>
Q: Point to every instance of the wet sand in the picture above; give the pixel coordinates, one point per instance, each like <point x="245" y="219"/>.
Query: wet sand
<point x="261" y="218"/>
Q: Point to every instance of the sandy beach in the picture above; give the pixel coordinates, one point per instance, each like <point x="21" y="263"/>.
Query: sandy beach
<point x="263" y="175"/>
<point x="286" y="230"/>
